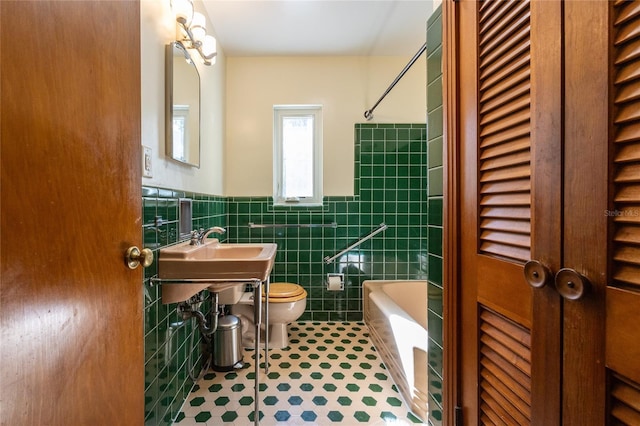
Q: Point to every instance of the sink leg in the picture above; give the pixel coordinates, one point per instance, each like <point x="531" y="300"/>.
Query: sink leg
<point x="266" y="327"/>
<point x="257" y="308"/>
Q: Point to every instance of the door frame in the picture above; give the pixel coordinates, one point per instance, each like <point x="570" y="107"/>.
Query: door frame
<point x="451" y="215"/>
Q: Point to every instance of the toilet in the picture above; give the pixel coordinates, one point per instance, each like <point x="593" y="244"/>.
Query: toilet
<point x="287" y="302"/>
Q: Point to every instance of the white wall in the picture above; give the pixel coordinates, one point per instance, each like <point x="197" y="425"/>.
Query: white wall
<point x="345" y="86"/>
<point x="157" y="30"/>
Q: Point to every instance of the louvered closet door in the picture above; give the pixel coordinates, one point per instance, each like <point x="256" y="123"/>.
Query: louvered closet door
<point x="510" y="154"/>
<point x="623" y="290"/>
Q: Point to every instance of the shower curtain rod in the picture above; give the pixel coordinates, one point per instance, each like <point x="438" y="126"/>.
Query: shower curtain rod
<point x="369" y="113"/>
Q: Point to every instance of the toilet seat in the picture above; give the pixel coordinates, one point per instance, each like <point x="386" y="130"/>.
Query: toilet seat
<point x="285" y="293"/>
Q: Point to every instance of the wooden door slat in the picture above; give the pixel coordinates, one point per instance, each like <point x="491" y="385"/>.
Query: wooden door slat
<point x="630" y="10"/>
<point x="501" y="375"/>
<point x="506" y="212"/>
<point x="628" y="52"/>
<point x="516" y="145"/>
<point x="628" y="254"/>
<point x="512" y="199"/>
<point x="512" y="173"/>
<point x="521" y="185"/>
<point x="519" y="69"/>
<point x="627" y="173"/>
<point x="521" y="131"/>
<point x="629" y="92"/>
<point x="628" y="133"/>
<point x="522" y="116"/>
<point x="503" y="250"/>
<point x="628" y="152"/>
<point x="507" y="109"/>
<point x="515" y="226"/>
<point x="628" y="193"/>
<point x="504" y="86"/>
<point x="627" y="72"/>
<point x="513" y="159"/>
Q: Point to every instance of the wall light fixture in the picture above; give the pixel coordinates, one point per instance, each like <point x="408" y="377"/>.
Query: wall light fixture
<point x="191" y="31"/>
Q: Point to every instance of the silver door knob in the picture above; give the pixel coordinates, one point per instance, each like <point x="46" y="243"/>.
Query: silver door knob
<point x="134" y="257"/>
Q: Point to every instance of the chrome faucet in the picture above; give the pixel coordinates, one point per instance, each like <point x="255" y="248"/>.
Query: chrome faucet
<point x="199" y="237"/>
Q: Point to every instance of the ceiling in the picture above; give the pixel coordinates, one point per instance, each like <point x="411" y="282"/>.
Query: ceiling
<point x="319" y="27"/>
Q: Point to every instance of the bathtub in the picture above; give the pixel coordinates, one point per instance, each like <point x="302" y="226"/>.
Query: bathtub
<point x="396" y="315"/>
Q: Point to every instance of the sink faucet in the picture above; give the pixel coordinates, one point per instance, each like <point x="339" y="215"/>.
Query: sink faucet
<point x="199" y="237"/>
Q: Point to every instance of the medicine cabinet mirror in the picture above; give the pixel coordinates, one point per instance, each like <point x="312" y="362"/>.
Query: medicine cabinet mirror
<point x="182" y="106"/>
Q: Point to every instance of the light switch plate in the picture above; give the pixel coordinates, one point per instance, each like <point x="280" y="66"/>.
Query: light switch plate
<point x="147" y="169"/>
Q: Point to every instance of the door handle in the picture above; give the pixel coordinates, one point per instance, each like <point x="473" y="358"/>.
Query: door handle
<point x="536" y="274"/>
<point x="571" y="285"/>
<point x="134" y="257"/>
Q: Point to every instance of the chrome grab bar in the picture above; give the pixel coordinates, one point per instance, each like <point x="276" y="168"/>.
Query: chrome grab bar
<point x="376" y="231"/>
<point x="292" y="225"/>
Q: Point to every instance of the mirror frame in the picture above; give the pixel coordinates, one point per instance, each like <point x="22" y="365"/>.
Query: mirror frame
<point x="169" y="97"/>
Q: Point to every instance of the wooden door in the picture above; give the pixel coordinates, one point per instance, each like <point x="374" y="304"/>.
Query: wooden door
<point x="510" y="152"/>
<point x="622" y="287"/>
<point x="71" y="331"/>
<point x="583" y="175"/>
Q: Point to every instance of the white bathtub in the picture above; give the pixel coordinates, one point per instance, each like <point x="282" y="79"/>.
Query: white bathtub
<point x="396" y="314"/>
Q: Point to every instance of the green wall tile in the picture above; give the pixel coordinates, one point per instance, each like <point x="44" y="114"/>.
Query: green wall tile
<point x="435" y="152"/>
<point x="435" y="269"/>
<point x="434" y="94"/>
<point x="434" y="212"/>
<point x="435" y="181"/>
<point x="434" y="206"/>
<point x="434" y="64"/>
<point x="435" y="240"/>
<point x="434" y="31"/>
<point x="164" y="392"/>
<point x="435" y="123"/>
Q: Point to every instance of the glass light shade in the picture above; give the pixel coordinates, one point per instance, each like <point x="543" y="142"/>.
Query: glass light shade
<point x="198" y="21"/>
<point x="198" y="34"/>
<point x="183" y="10"/>
<point x="209" y="46"/>
<point x="198" y="27"/>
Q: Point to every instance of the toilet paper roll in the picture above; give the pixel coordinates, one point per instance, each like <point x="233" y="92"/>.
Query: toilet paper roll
<point x="335" y="284"/>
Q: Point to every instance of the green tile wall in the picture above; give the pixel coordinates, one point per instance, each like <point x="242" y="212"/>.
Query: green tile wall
<point x="434" y="210"/>
<point x="167" y="347"/>
<point x="390" y="187"/>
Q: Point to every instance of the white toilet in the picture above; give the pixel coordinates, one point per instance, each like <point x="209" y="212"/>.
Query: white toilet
<point x="287" y="303"/>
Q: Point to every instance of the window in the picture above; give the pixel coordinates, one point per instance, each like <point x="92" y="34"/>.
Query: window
<point x="297" y="142"/>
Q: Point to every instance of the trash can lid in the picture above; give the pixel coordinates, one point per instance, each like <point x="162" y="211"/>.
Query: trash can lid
<point x="228" y="321"/>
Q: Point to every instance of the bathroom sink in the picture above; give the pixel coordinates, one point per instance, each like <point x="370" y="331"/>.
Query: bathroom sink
<point x="212" y="260"/>
<point x="217" y="261"/>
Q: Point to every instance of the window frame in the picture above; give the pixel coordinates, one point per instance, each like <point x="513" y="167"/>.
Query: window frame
<point x="280" y="112"/>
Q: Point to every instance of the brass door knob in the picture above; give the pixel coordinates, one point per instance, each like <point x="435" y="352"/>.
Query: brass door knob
<point x="134" y="257"/>
<point x="570" y="284"/>
<point x="536" y="274"/>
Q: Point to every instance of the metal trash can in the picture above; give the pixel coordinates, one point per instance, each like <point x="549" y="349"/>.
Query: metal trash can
<point x="227" y="344"/>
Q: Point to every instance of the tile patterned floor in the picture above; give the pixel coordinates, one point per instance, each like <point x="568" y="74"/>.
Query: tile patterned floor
<point x="330" y="374"/>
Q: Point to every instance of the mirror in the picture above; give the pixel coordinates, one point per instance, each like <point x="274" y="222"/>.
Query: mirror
<point x="182" y="106"/>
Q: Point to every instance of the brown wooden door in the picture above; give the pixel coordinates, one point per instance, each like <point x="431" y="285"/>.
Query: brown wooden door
<point x="549" y="114"/>
<point x="510" y="152"/>
<point x="622" y="341"/>
<point x="71" y="331"/>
